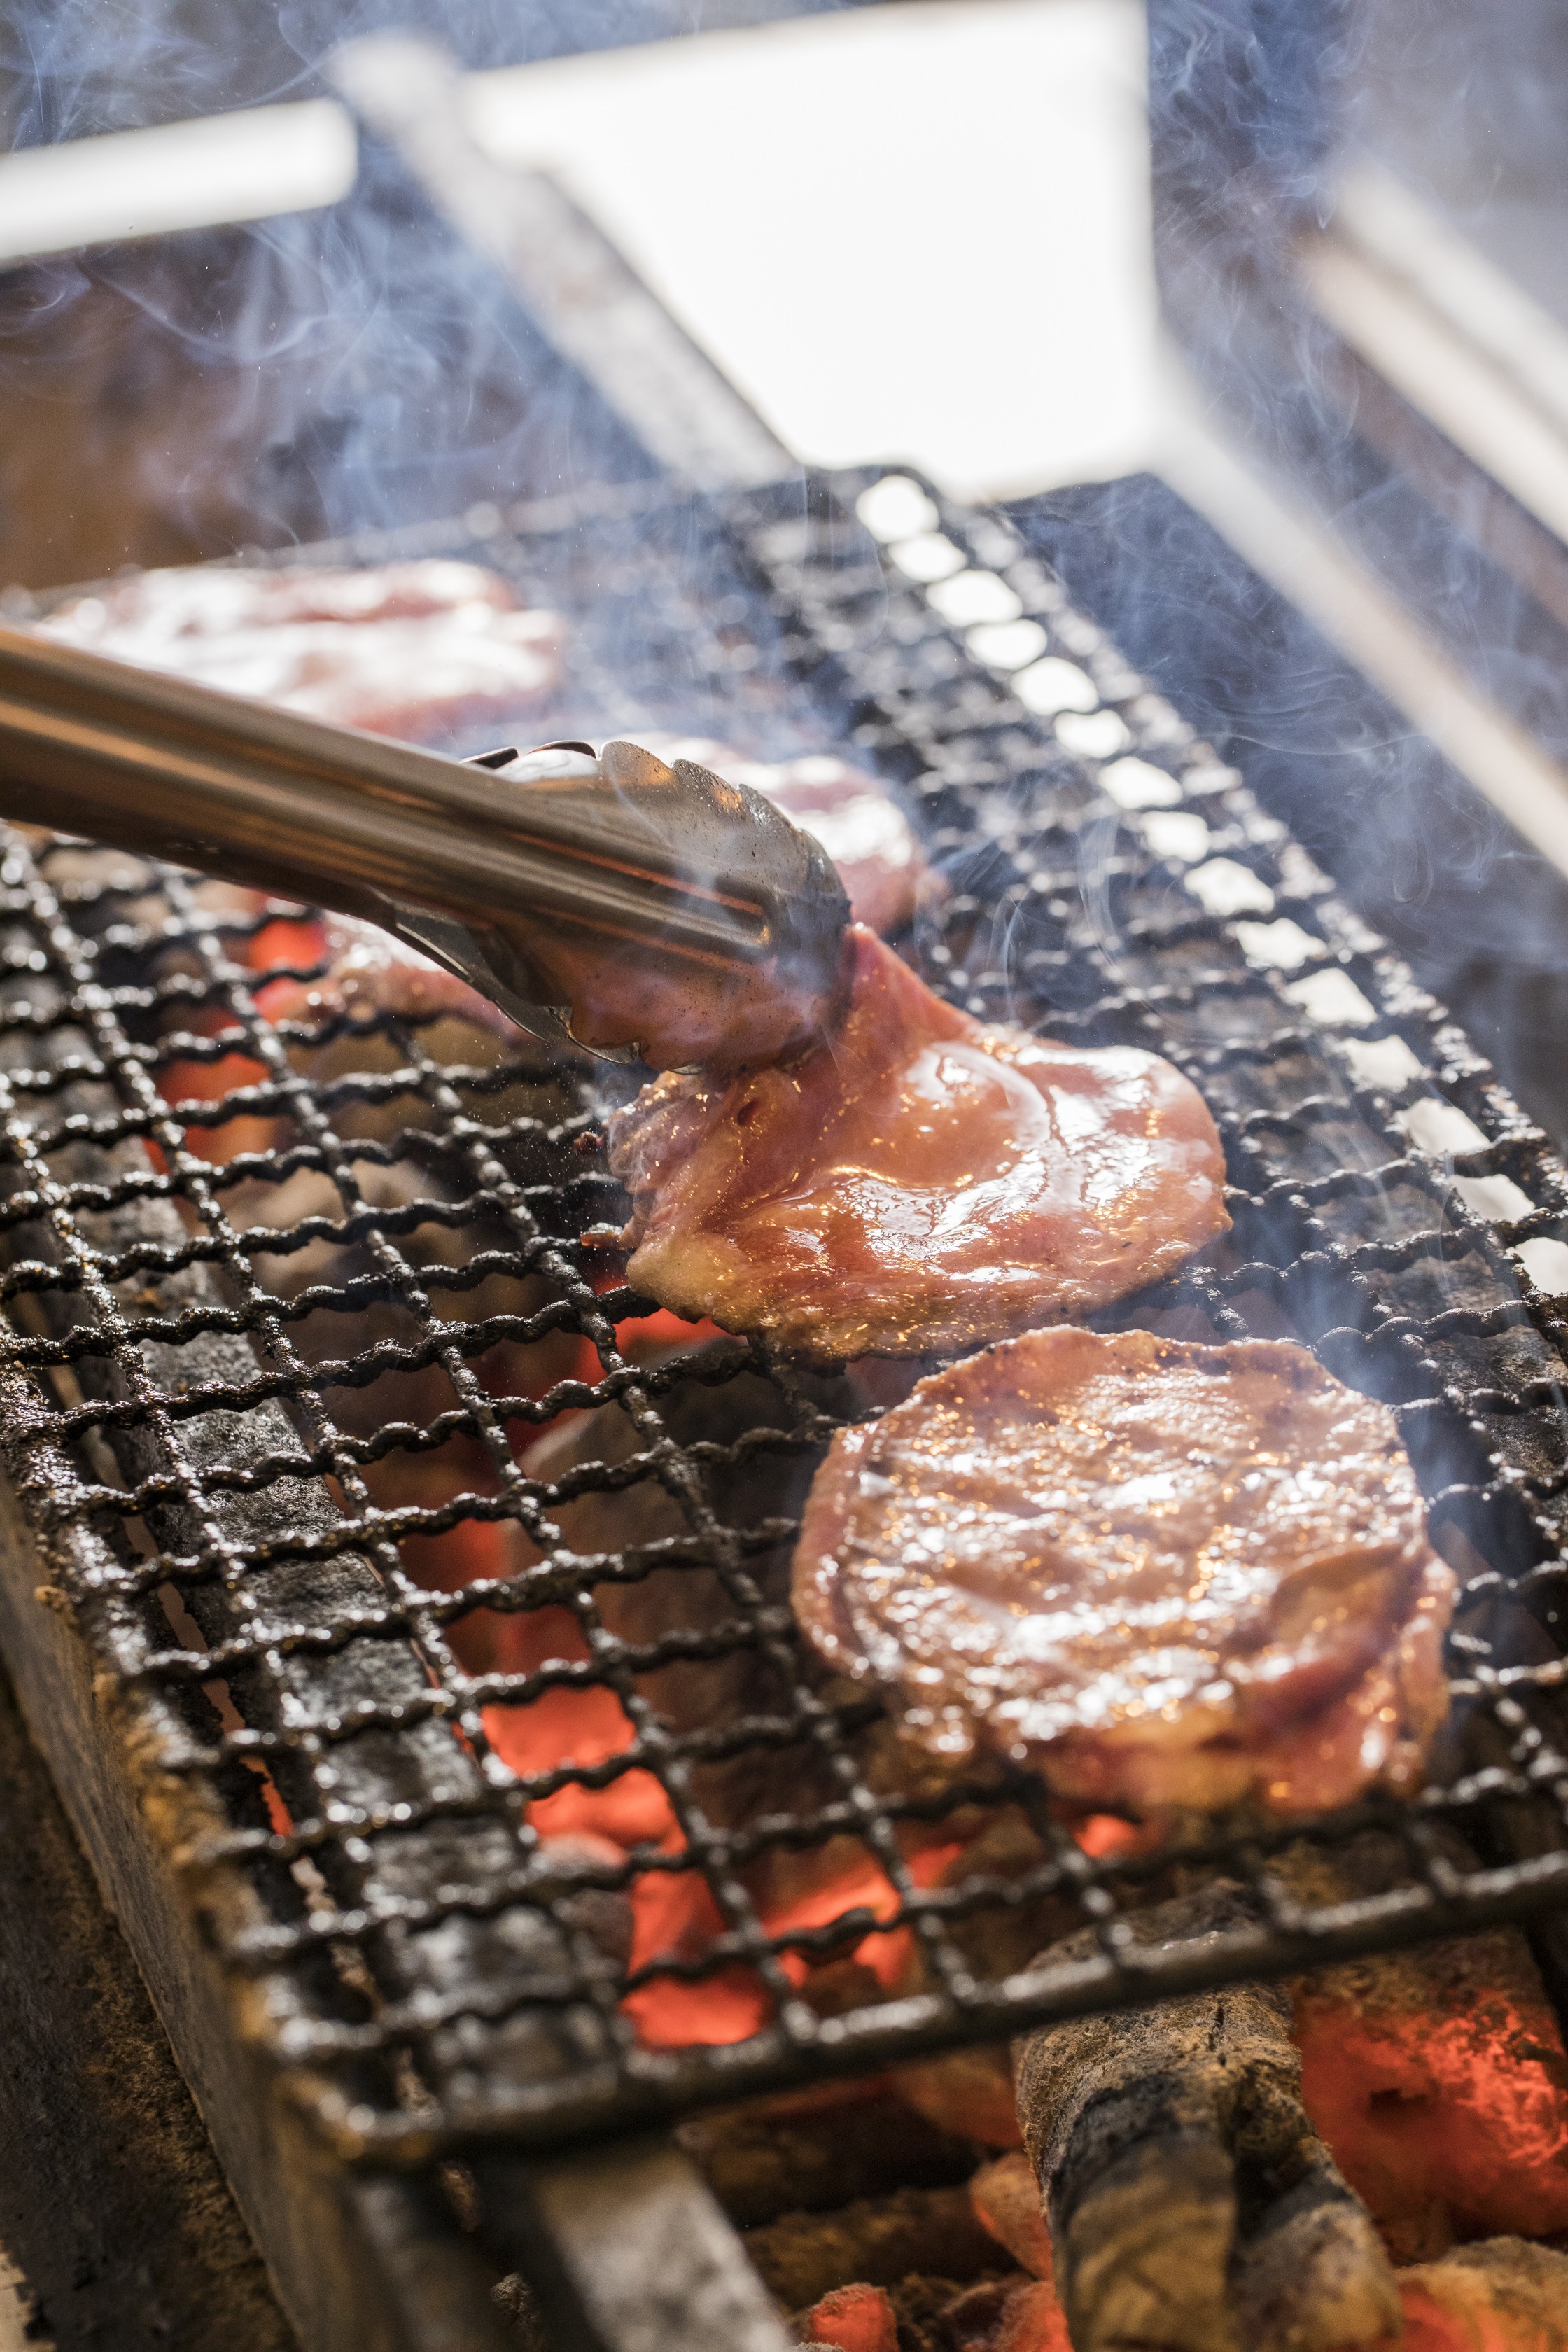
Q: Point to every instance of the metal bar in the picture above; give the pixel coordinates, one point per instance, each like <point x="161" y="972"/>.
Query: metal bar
<point x="294" y="805"/>
<point x="1313" y="566"/>
<point x="443" y="2286"/>
<point x="629" y="2251"/>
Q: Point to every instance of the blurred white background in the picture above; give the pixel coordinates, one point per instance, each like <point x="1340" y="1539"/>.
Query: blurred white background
<point x="916" y="231"/>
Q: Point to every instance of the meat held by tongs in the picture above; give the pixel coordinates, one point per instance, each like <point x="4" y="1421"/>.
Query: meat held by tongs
<point x="921" y="1183"/>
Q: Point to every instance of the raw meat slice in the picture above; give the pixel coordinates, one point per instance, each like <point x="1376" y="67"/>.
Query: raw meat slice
<point x="405" y="649"/>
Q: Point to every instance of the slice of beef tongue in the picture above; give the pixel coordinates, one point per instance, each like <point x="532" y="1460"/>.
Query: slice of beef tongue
<point x="1192" y="2205"/>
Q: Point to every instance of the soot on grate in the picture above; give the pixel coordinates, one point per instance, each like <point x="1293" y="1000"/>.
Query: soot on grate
<point x="438" y="1579"/>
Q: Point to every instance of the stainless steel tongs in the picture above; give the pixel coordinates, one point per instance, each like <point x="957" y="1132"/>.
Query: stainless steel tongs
<point x="639" y="910"/>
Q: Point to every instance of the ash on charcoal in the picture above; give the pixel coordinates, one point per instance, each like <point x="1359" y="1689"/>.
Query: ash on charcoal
<point x="858" y="2319"/>
<point x="1191" y="2203"/>
<point x="1506" y="2293"/>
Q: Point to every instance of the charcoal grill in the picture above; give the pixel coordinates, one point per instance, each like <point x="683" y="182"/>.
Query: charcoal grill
<point x="374" y="1961"/>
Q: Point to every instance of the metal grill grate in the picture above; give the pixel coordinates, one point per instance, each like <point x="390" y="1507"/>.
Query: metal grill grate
<point x="317" y="1406"/>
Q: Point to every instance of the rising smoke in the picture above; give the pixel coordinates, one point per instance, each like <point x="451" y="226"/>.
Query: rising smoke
<point x="319" y="375"/>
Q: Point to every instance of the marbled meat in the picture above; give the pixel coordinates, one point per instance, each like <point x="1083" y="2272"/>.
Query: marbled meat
<point x="412" y="650"/>
<point x="1165" y="1574"/>
<point x="921" y="1183"/>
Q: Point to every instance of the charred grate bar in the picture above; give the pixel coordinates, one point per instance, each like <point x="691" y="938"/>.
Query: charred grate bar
<point x="289" y="1303"/>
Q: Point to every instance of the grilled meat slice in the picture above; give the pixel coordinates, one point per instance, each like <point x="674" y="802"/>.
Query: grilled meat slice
<point x="1169" y="1575"/>
<point x="854" y="815"/>
<point x="921" y="1183"/>
<point x="413" y="650"/>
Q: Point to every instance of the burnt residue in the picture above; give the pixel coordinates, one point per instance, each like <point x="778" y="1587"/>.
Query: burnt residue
<point x="774" y="2157"/>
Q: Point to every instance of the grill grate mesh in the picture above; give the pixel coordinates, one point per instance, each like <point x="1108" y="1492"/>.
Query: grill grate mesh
<point x="440" y="1584"/>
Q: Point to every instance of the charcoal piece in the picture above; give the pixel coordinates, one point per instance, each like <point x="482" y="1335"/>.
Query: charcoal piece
<point x="858" y="2319"/>
<point x="803" y="2256"/>
<point x="779" y="2156"/>
<point x="1191" y="2203"/>
<point x="923" y="2308"/>
<point x="1504" y="2290"/>
<point x="977" y="2316"/>
<point x="967" y="2090"/>
<point x="517" y="2303"/>
<point x="1438" y="2074"/>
